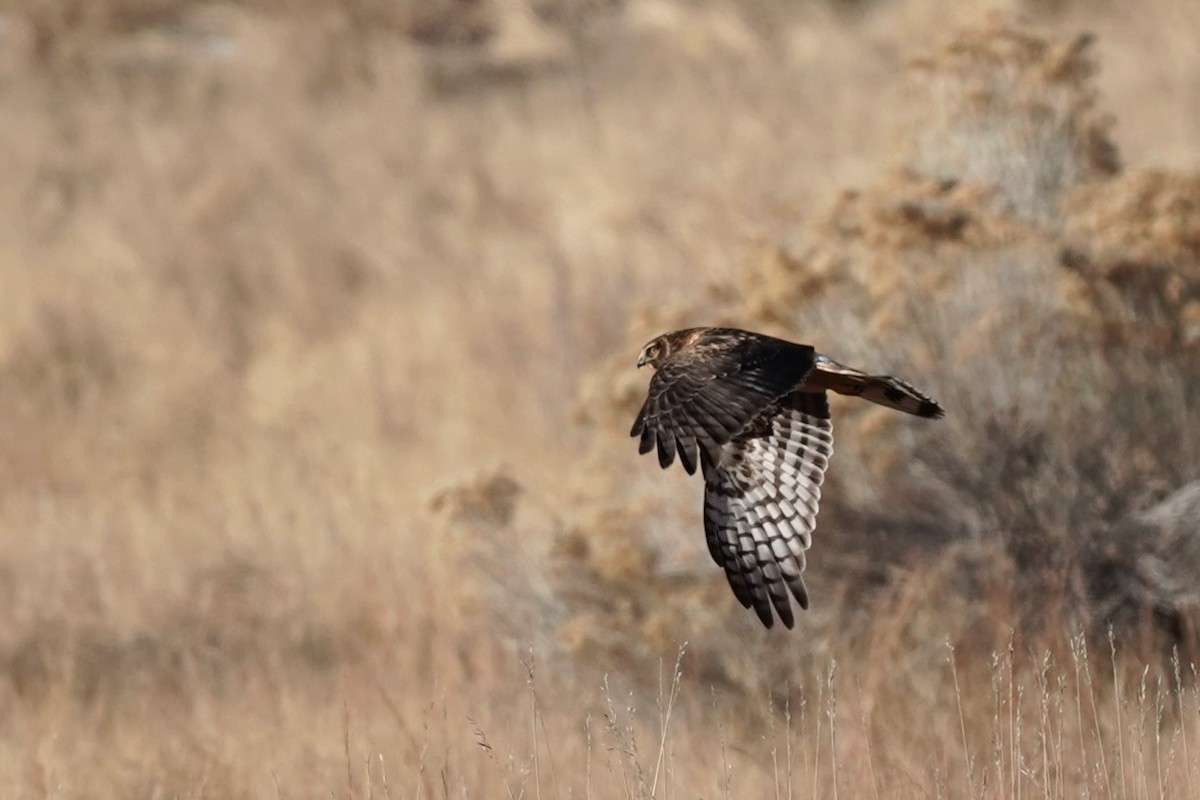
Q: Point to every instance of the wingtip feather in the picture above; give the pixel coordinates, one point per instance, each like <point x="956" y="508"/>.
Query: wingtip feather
<point x="784" y="609"/>
<point x="800" y="592"/>
<point x="666" y="451"/>
<point x="639" y="425"/>
<point x="764" y="615"/>
<point x="687" y="456"/>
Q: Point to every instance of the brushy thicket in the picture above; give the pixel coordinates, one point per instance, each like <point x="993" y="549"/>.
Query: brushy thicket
<point x="1049" y="299"/>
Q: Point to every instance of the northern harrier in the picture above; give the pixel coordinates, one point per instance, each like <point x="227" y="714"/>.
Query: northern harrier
<point x="752" y="410"/>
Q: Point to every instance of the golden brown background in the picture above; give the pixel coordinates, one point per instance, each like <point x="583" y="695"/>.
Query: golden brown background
<point x="317" y="331"/>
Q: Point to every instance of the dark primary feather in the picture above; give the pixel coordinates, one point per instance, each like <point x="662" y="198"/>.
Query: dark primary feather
<point x="706" y="392"/>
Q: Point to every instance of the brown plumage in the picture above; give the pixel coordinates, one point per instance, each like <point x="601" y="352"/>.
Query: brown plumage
<point x="751" y="410"/>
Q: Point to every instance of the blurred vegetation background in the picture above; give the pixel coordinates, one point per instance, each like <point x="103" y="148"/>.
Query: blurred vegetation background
<point x="317" y="330"/>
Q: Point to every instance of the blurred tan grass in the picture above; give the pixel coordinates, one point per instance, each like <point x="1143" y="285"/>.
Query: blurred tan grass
<point x="271" y="278"/>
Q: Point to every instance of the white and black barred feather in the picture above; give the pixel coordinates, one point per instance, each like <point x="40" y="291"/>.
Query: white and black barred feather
<point x="760" y="503"/>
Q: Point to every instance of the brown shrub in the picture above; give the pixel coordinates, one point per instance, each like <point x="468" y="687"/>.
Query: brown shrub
<point x="1013" y="110"/>
<point x="1132" y="248"/>
<point x="1058" y="432"/>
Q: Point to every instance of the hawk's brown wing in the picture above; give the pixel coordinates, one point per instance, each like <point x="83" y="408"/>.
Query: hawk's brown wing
<point x="760" y="503"/>
<point x="708" y="391"/>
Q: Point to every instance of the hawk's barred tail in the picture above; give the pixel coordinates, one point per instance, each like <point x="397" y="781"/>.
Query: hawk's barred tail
<point x="885" y="390"/>
<point x="892" y="392"/>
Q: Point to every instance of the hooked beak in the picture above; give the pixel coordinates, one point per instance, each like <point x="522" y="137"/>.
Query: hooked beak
<point x="642" y="360"/>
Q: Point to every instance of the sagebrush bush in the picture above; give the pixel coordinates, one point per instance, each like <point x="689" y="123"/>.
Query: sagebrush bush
<point x="1040" y="295"/>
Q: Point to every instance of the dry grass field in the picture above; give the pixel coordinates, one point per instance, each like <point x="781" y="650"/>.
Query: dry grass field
<point x="317" y="329"/>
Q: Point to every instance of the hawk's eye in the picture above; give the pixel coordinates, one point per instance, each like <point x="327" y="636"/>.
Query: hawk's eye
<point x="652" y="351"/>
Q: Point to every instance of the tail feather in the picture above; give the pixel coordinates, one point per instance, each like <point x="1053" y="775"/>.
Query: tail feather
<point x="886" y="390"/>
<point x="892" y="392"/>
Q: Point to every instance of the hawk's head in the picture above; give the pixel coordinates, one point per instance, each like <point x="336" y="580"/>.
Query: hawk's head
<point x="663" y="347"/>
<point x="655" y="352"/>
